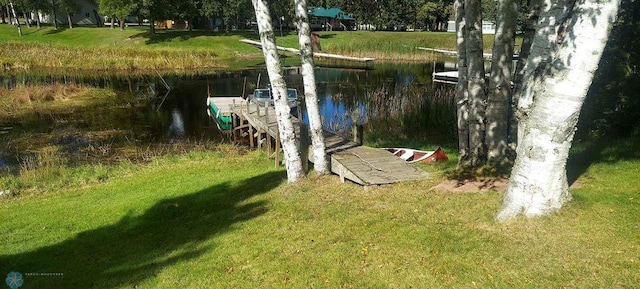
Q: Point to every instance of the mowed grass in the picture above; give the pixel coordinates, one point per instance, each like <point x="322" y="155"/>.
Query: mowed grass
<point x="105" y="49"/>
<point x="227" y="219"/>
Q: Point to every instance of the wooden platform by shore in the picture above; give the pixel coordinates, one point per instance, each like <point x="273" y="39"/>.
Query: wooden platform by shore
<point x="315" y="54"/>
<point x="256" y="125"/>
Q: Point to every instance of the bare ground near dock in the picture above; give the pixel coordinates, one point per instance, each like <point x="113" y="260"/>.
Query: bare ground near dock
<point x="481" y="186"/>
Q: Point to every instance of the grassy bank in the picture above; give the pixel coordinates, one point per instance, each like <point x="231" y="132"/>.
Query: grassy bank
<point x="386" y="46"/>
<point x="221" y="219"/>
<point x="105" y="49"/>
<point x="61" y="135"/>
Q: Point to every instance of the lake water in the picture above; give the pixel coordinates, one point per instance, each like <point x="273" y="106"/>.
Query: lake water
<point x="396" y="103"/>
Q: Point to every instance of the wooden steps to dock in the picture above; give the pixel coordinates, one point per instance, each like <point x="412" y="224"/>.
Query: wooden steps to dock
<point x="351" y="161"/>
<point x="366" y="165"/>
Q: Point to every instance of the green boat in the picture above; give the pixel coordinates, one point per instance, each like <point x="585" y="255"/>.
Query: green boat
<point x="223" y="119"/>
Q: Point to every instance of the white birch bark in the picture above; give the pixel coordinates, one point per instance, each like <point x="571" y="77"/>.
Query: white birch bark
<point x="498" y="98"/>
<point x="55" y="17"/>
<point x="462" y="93"/>
<point x="13" y="10"/>
<point x="554" y="13"/>
<point x="530" y="26"/>
<point x="292" y="159"/>
<point x="477" y="85"/>
<point x="538" y="183"/>
<point x="310" y="92"/>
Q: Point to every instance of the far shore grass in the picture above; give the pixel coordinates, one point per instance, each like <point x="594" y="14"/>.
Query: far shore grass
<point x="106" y="49"/>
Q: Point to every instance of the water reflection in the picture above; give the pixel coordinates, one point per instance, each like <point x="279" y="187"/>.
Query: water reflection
<point x="177" y="124"/>
<point x="396" y="103"/>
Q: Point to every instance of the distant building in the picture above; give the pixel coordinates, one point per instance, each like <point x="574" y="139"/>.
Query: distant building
<point x="87" y="14"/>
<point x="488" y="27"/>
<point x="330" y="19"/>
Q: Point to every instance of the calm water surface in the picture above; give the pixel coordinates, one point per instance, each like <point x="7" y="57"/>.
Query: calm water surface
<point x="396" y="103"/>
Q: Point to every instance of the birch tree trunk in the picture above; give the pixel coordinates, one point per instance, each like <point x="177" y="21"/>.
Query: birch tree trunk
<point x="26" y="18"/>
<point x="477" y="85"/>
<point x="38" y="24"/>
<point x="152" y="27"/>
<point x="6" y="7"/>
<point x="13" y="10"/>
<point x="554" y="14"/>
<point x="55" y="17"/>
<point x="462" y="94"/>
<point x="310" y="92"/>
<point x="535" y="6"/>
<point x="499" y="96"/>
<point x="538" y="183"/>
<point x="292" y="159"/>
<point x="69" y="20"/>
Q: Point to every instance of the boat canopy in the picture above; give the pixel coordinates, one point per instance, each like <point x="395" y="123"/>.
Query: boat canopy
<point x="265" y="93"/>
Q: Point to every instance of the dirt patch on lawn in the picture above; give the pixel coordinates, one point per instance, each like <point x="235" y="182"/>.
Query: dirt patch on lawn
<point x="473" y="186"/>
<point x="482" y="186"/>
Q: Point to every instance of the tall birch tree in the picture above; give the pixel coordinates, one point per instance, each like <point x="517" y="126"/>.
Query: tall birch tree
<point x="54" y="4"/>
<point x="499" y="92"/>
<point x="310" y="92"/>
<point x="462" y="95"/>
<point x="292" y="159"/>
<point x="13" y="10"/>
<point x="476" y="82"/>
<point x="534" y="8"/>
<point x="538" y="183"/>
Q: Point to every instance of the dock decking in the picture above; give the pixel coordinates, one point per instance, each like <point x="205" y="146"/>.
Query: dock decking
<point x="450" y="77"/>
<point x="360" y="164"/>
<point x="366" y="165"/>
<point x="315" y="54"/>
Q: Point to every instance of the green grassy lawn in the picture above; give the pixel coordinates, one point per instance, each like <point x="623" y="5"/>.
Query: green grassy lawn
<point x="224" y="218"/>
<point x="91" y="48"/>
<point x="105" y="49"/>
<point x="384" y="45"/>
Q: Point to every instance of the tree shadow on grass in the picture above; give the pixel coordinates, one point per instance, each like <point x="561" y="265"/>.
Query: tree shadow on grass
<point x="164" y="36"/>
<point x="137" y="248"/>
<point x="60" y="29"/>
<point x="601" y="151"/>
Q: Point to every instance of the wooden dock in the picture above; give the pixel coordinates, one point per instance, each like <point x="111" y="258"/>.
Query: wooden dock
<point x="450" y="77"/>
<point x="256" y="126"/>
<point x="366" y="165"/>
<point x="315" y="54"/>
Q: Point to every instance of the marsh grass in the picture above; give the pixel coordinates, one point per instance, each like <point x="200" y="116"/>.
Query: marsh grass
<point x="47" y="145"/>
<point x="427" y="118"/>
<point x="387" y="46"/>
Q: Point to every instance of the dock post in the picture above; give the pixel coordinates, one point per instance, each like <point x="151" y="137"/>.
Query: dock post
<point x="277" y="148"/>
<point x="268" y="134"/>
<point x="251" y="142"/>
<point x="257" y="109"/>
<point x="233" y="121"/>
<point x="358" y="134"/>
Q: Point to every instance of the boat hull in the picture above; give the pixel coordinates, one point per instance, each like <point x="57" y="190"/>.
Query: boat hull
<point x="413" y="155"/>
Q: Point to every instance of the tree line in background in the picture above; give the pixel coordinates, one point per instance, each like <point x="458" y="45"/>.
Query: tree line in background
<point x="429" y="15"/>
